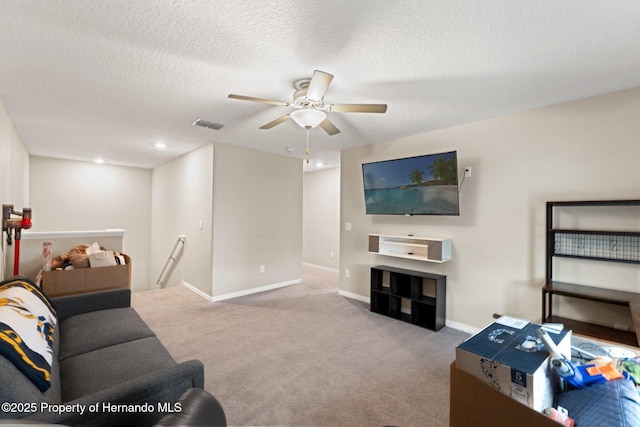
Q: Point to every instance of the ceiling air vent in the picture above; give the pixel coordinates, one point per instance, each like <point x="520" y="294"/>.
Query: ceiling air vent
<point x="208" y="124"/>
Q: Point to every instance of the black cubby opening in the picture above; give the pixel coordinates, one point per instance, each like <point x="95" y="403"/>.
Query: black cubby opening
<point x="423" y="315"/>
<point x="423" y="299"/>
<point x="400" y="284"/>
<point x="395" y="307"/>
<point x="416" y="287"/>
<point x="380" y="303"/>
<point x="376" y="279"/>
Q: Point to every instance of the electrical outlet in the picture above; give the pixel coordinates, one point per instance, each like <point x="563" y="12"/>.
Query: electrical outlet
<point x="467" y="172"/>
<point x="346" y="273"/>
<point x="262" y="269"/>
<point x="331" y="255"/>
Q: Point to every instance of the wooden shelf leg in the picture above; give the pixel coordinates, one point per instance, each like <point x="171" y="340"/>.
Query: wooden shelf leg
<point x="634" y="308"/>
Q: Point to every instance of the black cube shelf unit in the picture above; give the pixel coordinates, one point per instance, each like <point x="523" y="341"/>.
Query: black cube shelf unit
<point x="426" y="310"/>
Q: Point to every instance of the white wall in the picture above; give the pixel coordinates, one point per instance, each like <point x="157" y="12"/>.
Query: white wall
<point x="69" y="195"/>
<point x="14" y="179"/>
<point x="586" y="149"/>
<point x="321" y="218"/>
<point x="182" y="198"/>
<point x="250" y="205"/>
<point x="257" y="201"/>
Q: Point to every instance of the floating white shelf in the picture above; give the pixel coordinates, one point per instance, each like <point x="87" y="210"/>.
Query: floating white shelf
<point x="411" y="247"/>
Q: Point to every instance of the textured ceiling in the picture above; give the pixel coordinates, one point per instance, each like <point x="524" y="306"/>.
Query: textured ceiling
<point x="84" y="79"/>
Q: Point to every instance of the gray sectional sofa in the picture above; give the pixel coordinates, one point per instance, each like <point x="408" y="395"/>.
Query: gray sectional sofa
<point x="108" y="367"/>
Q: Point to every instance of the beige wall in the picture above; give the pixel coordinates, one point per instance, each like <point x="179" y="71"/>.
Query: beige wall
<point x="257" y="215"/>
<point x="250" y="205"/>
<point x="14" y="179"/>
<point x="69" y="195"/>
<point x="182" y="199"/>
<point x="321" y="218"/>
<point x="257" y="201"/>
<point x="586" y="149"/>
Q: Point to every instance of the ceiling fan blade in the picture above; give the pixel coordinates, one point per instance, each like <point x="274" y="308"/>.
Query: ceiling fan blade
<point x="265" y="101"/>
<point x="276" y="122"/>
<point x="329" y="127"/>
<point x="318" y="85"/>
<point x="358" y="108"/>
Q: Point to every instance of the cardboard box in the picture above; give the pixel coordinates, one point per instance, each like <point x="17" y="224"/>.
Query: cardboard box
<point x="82" y="280"/>
<point x="473" y="403"/>
<point x="508" y="356"/>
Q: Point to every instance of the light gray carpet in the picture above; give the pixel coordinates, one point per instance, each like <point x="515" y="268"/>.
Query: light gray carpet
<point x="305" y="356"/>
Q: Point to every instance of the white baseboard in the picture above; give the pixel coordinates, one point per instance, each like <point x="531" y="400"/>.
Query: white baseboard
<point x="462" y="327"/>
<point x="239" y="293"/>
<point x="196" y="290"/>
<point x="354" y="296"/>
<point x="254" y="290"/>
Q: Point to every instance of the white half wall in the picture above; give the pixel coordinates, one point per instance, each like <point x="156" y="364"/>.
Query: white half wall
<point x="582" y="150"/>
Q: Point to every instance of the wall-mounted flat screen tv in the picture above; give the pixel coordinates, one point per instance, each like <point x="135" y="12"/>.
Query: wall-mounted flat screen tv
<point x="420" y="185"/>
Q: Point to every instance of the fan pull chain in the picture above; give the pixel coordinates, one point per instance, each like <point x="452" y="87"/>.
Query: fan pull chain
<point x="307" y="150"/>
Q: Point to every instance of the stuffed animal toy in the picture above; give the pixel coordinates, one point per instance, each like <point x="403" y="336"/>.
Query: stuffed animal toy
<point x="77" y="257"/>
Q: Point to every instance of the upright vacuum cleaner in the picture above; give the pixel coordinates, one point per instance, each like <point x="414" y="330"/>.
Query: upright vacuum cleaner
<point x="15" y="225"/>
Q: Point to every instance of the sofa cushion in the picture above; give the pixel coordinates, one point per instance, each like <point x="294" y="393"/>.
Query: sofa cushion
<point x="27" y="324"/>
<point x="99" y="329"/>
<point x="87" y="373"/>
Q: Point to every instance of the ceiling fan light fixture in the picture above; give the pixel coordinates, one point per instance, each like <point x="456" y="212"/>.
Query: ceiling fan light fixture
<point x="308" y="118"/>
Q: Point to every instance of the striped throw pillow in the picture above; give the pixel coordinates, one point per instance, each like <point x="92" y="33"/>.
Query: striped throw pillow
<point x="27" y="322"/>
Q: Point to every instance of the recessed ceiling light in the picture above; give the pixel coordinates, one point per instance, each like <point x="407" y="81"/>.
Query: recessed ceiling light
<point x="98" y="161"/>
<point x="160" y="146"/>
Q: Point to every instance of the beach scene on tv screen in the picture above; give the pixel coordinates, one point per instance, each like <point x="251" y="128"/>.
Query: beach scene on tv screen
<point x="422" y="185"/>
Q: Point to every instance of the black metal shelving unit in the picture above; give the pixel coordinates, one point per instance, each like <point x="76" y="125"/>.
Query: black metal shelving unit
<point x="593" y="245"/>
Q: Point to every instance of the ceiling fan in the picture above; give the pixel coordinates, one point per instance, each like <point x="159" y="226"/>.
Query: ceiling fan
<point x="310" y="109"/>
